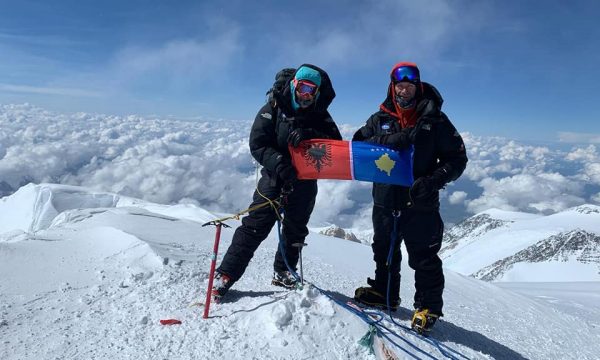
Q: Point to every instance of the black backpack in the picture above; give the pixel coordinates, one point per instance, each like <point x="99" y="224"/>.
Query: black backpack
<point x="282" y="78"/>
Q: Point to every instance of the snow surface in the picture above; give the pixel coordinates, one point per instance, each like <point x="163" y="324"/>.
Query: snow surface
<point x="94" y="281"/>
<point x="472" y="253"/>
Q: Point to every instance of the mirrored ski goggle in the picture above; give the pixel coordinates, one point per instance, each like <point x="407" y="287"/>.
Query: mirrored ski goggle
<point x="305" y="88"/>
<point x="406" y="73"/>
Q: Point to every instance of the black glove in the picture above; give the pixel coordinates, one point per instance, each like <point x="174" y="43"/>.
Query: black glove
<point x="400" y="140"/>
<point x="424" y="191"/>
<point x="286" y="172"/>
<point x="300" y="134"/>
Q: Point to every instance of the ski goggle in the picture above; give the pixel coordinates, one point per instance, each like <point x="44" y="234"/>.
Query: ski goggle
<point x="305" y="88"/>
<point x="406" y="73"/>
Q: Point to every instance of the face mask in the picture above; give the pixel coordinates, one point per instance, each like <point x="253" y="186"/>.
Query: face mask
<point x="304" y="103"/>
<point x="405" y="104"/>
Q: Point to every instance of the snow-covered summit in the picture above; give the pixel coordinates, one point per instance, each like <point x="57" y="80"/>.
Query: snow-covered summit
<point x="93" y="279"/>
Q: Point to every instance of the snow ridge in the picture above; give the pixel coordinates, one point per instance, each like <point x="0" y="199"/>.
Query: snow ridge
<point x="577" y="244"/>
<point x="474" y="226"/>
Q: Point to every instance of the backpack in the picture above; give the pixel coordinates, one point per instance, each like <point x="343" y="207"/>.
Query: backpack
<point x="282" y="78"/>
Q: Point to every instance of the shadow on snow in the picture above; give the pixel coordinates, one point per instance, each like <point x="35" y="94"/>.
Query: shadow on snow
<point x="446" y="332"/>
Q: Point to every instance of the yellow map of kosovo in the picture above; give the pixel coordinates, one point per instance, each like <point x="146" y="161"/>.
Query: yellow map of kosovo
<point x="385" y="164"/>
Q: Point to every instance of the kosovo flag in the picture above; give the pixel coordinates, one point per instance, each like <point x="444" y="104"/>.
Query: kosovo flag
<point x="346" y="160"/>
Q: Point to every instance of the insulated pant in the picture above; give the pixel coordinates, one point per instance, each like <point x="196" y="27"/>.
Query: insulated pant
<point x="258" y="224"/>
<point x="422" y="233"/>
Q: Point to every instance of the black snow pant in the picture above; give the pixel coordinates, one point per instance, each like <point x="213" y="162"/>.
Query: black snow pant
<point x="258" y="224"/>
<point x="422" y="233"/>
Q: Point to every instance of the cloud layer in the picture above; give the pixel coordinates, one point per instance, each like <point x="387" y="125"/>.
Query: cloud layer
<point x="208" y="163"/>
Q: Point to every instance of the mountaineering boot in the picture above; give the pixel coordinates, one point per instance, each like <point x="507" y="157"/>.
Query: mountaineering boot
<point x="423" y="321"/>
<point x="284" y="279"/>
<point x="221" y="285"/>
<point x="369" y="296"/>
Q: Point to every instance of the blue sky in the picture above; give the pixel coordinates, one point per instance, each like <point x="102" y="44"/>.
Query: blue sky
<point x="523" y="70"/>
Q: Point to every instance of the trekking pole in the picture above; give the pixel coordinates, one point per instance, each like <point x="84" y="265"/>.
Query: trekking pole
<point x="300" y="246"/>
<point x="213" y="264"/>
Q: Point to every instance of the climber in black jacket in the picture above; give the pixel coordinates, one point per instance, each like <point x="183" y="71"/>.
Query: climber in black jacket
<point x="411" y="115"/>
<point x="298" y="112"/>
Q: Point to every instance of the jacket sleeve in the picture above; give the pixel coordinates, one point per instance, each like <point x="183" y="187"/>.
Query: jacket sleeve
<point x="451" y="152"/>
<point x="367" y="132"/>
<point x="263" y="140"/>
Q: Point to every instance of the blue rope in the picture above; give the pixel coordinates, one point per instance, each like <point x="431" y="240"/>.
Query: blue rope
<point x="436" y="343"/>
<point x="394" y="236"/>
<point x="367" y="315"/>
<point x="282" y="247"/>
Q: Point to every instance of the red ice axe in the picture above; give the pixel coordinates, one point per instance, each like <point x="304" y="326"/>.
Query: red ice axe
<point x="213" y="264"/>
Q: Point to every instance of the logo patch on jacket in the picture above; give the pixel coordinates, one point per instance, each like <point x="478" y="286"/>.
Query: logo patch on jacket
<point x="426" y="127"/>
<point x="385" y="127"/>
<point x="267" y="115"/>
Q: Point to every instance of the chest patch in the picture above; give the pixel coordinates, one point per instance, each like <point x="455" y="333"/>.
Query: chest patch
<point x="385" y="127"/>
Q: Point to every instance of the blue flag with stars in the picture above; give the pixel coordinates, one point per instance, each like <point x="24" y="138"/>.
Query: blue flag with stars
<point x="380" y="164"/>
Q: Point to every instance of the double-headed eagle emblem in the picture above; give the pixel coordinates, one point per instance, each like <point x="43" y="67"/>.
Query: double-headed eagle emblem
<point x="317" y="155"/>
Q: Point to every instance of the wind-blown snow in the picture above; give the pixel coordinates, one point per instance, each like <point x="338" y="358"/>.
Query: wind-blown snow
<point x="97" y="280"/>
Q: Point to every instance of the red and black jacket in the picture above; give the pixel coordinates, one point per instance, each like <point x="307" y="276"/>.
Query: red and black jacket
<point x="437" y="145"/>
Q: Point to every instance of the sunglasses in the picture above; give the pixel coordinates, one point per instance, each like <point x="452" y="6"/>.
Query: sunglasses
<point x="405" y="73"/>
<point x="305" y="88"/>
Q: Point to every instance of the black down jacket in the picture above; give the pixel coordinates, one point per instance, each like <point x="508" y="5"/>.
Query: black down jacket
<point x="274" y="122"/>
<point x="436" y="141"/>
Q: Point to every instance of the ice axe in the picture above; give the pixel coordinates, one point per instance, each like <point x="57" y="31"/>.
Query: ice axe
<point x="300" y="246"/>
<point x="213" y="263"/>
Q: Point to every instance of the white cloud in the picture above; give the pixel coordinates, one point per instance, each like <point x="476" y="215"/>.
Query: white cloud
<point x="592" y="172"/>
<point x="582" y="138"/>
<point x="492" y="156"/>
<point x="332" y="199"/>
<point x="48" y="90"/>
<point x="380" y="29"/>
<point x="181" y="58"/>
<point x="457" y="197"/>
<point x="583" y="154"/>
<point x="545" y="192"/>
<point x="158" y="160"/>
<point x="208" y="163"/>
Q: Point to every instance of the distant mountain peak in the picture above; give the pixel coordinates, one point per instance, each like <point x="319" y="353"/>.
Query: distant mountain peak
<point x="587" y="209"/>
<point x="338" y="232"/>
<point x="472" y="227"/>
<point x="578" y="244"/>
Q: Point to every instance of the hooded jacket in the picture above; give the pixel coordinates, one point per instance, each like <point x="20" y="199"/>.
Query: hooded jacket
<point x="437" y="145"/>
<point x="274" y="122"/>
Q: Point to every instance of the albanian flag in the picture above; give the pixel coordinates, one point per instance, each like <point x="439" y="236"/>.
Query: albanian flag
<point x="352" y="160"/>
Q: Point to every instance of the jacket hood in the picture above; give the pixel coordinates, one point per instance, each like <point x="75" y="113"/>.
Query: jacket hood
<point x="325" y="96"/>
